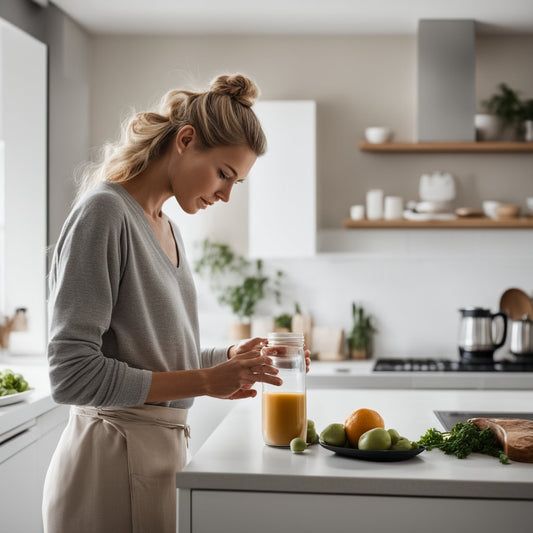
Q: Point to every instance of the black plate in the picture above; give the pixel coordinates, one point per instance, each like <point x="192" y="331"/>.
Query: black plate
<point x="374" y="455"/>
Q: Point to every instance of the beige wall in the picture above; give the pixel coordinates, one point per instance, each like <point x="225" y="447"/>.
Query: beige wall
<point x="356" y="80"/>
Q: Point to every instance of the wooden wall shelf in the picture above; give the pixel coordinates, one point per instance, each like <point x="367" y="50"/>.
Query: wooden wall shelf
<point x="468" y="223"/>
<point x="448" y="147"/>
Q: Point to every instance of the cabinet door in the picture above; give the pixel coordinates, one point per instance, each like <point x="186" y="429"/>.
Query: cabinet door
<point x="282" y="185"/>
<point x="20" y="501"/>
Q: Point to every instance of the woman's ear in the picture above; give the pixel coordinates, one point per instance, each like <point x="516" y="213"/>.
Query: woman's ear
<point x="185" y="138"/>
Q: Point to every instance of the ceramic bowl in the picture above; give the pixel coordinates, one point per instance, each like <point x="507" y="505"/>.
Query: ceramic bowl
<point x="378" y="134"/>
<point x="490" y="208"/>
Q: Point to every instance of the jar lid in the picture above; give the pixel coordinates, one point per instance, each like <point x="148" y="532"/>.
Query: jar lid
<point x="282" y="337"/>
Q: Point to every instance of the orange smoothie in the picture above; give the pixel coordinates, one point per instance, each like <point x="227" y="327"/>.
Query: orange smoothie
<point x="284" y="417"/>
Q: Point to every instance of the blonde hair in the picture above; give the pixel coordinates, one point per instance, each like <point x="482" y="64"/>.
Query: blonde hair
<point x="221" y="116"/>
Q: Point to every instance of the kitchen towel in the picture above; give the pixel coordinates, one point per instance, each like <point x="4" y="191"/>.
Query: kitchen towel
<point x="115" y="470"/>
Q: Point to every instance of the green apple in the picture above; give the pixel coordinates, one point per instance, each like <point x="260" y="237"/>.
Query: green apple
<point x="334" y="435"/>
<point x="375" y="439"/>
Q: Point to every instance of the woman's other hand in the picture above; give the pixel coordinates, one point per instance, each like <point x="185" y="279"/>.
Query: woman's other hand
<point x="235" y="378"/>
<point x="258" y="343"/>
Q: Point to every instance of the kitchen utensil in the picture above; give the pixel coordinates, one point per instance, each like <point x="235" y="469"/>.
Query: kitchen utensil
<point x="506" y="211"/>
<point x="393" y="208"/>
<point x="475" y="334"/>
<point x="374" y="204"/>
<point x="490" y="208"/>
<point x="514" y="434"/>
<point x="468" y="212"/>
<point x="14" y="398"/>
<point x="432" y="207"/>
<point x="374" y="455"/>
<point x="437" y="187"/>
<point x="522" y="336"/>
<point x="357" y="212"/>
<point x="378" y="134"/>
<point x="515" y="303"/>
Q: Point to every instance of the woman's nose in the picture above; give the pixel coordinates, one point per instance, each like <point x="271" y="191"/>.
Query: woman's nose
<point x="224" y="194"/>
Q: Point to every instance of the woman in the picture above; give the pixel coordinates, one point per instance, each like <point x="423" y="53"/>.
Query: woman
<point x="124" y="340"/>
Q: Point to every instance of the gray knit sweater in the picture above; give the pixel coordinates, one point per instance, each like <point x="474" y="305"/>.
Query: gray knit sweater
<point x="118" y="307"/>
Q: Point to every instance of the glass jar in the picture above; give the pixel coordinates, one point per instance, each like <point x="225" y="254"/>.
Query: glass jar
<point x="284" y="413"/>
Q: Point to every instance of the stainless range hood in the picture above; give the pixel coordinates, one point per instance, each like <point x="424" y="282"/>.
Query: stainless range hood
<point x="446" y="80"/>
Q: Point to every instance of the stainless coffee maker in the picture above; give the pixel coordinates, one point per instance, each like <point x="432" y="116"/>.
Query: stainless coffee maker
<point x="476" y="344"/>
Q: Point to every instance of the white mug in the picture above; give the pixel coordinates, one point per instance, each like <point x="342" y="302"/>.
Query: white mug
<point x="374" y="204"/>
<point x="393" y="207"/>
<point x="357" y="212"/>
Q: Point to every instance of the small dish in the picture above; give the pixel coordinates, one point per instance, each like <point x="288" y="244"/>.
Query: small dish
<point x="378" y="134"/>
<point x="515" y="303"/>
<point x="385" y="456"/>
<point x="14" y="398"/>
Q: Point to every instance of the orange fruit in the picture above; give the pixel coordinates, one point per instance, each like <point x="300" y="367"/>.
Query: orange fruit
<point x="360" y="422"/>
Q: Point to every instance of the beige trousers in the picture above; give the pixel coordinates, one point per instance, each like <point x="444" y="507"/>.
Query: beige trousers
<point x="114" y="470"/>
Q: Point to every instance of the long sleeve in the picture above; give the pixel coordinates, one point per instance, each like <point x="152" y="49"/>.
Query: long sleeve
<point x="213" y="356"/>
<point x="84" y="287"/>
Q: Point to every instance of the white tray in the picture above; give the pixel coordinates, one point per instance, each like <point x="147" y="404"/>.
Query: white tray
<point x="14" y="398"/>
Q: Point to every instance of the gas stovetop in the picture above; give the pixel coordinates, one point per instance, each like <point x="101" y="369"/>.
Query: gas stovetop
<point x="447" y="365"/>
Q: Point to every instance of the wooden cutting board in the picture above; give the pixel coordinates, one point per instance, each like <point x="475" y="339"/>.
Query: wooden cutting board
<point x="515" y="436"/>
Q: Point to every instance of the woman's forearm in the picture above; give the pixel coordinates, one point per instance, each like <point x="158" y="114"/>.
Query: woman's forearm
<point x="175" y="385"/>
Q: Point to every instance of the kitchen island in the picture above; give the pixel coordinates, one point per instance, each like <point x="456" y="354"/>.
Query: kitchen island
<point x="236" y="483"/>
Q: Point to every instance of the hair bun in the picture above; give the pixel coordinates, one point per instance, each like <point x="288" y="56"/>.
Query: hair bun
<point x="236" y="86"/>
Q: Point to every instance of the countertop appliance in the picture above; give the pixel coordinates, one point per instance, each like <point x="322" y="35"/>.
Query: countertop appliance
<point x="448" y="365"/>
<point x="475" y="334"/>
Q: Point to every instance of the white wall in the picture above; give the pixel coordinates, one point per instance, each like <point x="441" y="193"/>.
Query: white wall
<point x="412" y="281"/>
<point x="23" y="61"/>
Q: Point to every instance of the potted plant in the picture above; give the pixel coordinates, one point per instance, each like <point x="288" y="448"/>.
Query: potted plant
<point x="360" y="339"/>
<point x="282" y="322"/>
<point x="239" y="283"/>
<point x="526" y="118"/>
<point x="504" y="105"/>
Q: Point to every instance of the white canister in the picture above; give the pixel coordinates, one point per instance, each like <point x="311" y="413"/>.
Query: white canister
<point x="393" y="207"/>
<point x="357" y="212"/>
<point x="374" y="204"/>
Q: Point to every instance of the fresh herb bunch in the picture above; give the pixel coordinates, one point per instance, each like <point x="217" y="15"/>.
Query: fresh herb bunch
<point x="464" y="439"/>
<point x="11" y="383"/>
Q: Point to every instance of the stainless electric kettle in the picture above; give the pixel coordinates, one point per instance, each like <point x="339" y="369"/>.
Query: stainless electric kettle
<point x="476" y="344"/>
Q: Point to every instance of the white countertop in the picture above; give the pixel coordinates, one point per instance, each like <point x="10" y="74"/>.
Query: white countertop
<point x="352" y="374"/>
<point x="235" y="457"/>
<point x="35" y="371"/>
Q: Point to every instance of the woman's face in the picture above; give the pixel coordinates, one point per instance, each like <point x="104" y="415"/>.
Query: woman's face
<point x="199" y="178"/>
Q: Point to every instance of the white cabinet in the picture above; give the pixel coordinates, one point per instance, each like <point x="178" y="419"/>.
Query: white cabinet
<point x="25" y="454"/>
<point x="282" y="185"/>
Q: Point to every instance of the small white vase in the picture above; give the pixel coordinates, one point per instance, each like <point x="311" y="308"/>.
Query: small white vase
<point x="488" y="127"/>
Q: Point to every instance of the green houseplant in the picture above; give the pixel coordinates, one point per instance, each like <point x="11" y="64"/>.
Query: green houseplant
<point x="360" y="338"/>
<point x="526" y="117"/>
<point x="240" y="284"/>
<point x="504" y="104"/>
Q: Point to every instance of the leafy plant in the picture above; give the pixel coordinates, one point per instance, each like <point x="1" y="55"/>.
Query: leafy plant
<point x="240" y="284"/>
<point x="283" y="321"/>
<point x="362" y="333"/>
<point x="526" y="110"/>
<point x="464" y="439"/>
<point x="504" y="104"/>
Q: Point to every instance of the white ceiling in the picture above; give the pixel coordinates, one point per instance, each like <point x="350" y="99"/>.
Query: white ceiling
<point x="291" y="16"/>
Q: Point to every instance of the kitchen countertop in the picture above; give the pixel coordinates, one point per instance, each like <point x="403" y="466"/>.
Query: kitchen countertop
<point x="235" y="457"/>
<point x="358" y="374"/>
<point x="35" y="371"/>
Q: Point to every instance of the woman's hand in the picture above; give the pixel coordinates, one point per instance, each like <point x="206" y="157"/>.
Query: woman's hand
<point x="235" y="378"/>
<point x="258" y="343"/>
